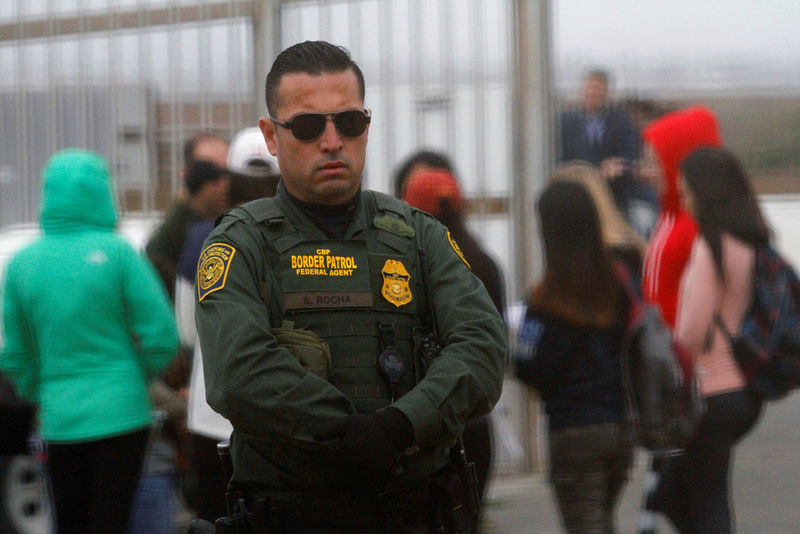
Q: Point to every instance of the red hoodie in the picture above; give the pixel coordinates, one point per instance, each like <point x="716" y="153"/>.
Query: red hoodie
<point x="673" y="137"/>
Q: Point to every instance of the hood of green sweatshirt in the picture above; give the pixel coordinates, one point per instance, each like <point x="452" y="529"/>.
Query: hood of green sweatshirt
<point x="77" y="193"/>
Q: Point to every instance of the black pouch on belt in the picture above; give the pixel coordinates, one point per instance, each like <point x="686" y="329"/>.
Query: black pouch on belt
<point x="452" y="509"/>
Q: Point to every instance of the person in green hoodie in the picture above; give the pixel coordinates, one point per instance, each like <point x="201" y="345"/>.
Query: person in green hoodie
<point x="87" y="325"/>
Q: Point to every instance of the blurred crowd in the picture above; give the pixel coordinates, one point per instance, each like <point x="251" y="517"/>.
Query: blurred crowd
<point x="656" y="200"/>
<point x="640" y="190"/>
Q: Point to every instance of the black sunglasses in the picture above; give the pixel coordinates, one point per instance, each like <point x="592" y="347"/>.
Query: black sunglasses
<point x="309" y="126"/>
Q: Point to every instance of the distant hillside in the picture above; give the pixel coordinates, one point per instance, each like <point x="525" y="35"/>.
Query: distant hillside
<point x="764" y="132"/>
<point x="758" y="104"/>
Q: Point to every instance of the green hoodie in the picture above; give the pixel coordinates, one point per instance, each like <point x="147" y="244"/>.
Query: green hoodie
<point x="86" y="321"/>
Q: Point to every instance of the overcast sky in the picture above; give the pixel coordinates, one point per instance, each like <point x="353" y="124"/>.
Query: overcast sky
<point x="658" y="43"/>
<point x="659" y="28"/>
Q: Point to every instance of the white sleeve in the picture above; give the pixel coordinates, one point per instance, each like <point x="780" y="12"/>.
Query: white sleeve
<point x="201" y="419"/>
<point x="184" y="311"/>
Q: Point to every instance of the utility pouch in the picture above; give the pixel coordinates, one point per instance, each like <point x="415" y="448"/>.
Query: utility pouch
<point x="391" y="363"/>
<point x="453" y="513"/>
<point x="469" y="477"/>
<point x="310" y="350"/>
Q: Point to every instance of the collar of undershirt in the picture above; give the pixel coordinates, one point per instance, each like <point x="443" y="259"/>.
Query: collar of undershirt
<point x="332" y="220"/>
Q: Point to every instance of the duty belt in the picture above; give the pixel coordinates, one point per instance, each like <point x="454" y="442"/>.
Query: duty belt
<point x="327" y="511"/>
<point x="333" y="513"/>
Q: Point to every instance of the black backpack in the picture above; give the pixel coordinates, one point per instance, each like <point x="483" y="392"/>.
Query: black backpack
<point x="767" y="346"/>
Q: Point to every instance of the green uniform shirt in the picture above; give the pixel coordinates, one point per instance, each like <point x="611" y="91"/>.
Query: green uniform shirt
<point x="249" y="280"/>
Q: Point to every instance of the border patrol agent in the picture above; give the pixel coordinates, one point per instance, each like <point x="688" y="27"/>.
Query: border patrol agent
<point x="315" y="310"/>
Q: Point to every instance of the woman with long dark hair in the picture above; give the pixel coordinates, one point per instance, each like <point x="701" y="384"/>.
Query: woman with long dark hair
<point x="716" y="286"/>
<point x="569" y="349"/>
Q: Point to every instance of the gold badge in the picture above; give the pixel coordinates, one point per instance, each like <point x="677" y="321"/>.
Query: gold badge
<point x="212" y="268"/>
<point x="395" y="283"/>
<point x="458" y="250"/>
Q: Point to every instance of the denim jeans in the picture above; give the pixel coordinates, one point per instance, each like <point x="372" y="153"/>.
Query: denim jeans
<point x="589" y="466"/>
<point x="154" y="505"/>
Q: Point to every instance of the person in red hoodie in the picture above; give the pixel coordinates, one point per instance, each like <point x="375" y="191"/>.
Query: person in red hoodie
<point x="667" y="141"/>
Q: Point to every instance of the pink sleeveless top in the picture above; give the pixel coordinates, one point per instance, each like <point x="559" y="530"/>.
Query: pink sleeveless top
<point x="703" y="294"/>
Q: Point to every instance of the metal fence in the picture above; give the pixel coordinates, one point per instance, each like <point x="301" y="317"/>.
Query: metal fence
<point x="135" y="79"/>
<point x="131" y="79"/>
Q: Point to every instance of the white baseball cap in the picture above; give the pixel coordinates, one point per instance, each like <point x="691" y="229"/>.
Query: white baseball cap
<point x="248" y="154"/>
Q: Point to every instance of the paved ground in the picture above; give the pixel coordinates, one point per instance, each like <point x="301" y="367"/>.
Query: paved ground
<point x="766" y="486"/>
<point x="522" y="504"/>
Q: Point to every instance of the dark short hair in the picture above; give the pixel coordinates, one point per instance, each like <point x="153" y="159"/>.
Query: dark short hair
<point x="599" y="73"/>
<point x="311" y="57"/>
<point x="201" y="172"/>
<point x="191" y="144"/>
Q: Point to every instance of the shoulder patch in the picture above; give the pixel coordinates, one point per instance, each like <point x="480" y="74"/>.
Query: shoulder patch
<point x="458" y="250"/>
<point x="212" y="268"/>
<point x="393" y="225"/>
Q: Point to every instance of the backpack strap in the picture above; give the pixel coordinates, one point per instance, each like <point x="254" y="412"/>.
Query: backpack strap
<point x="636" y="309"/>
<point x="762" y="252"/>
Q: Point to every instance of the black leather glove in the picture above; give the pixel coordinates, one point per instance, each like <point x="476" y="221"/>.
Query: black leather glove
<point x="372" y="441"/>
